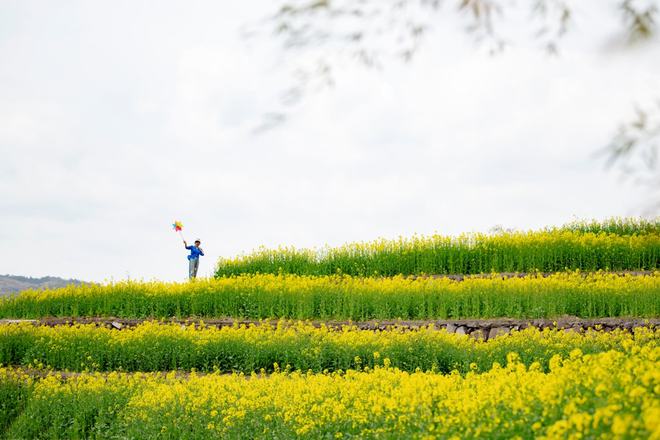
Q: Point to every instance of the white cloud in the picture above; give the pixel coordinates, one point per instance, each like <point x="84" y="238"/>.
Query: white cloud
<point x="117" y="120"/>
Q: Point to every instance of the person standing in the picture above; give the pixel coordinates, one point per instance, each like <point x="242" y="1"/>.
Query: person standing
<point x="193" y="258"/>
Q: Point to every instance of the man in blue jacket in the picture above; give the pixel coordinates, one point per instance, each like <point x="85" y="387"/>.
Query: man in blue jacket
<point x="193" y="258"/>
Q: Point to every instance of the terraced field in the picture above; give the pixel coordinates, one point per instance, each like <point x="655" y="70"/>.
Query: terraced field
<point x="614" y="245"/>
<point x="359" y="299"/>
<point x="365" y="341"/>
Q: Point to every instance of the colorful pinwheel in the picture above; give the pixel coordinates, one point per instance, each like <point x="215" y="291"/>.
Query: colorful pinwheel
<point x="178" y="227"/>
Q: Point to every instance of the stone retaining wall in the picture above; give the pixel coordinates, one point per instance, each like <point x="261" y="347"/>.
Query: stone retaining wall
<point x="483" y="329"/>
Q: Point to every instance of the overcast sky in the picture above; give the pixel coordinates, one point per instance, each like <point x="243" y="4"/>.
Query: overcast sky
<point x="118" y="117"/>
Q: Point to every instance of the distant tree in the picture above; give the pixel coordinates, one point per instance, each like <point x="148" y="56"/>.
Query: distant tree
<point x="635" y="150"/>
<point x="324" y="35"/>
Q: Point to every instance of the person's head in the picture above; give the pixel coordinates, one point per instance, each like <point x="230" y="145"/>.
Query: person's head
<point x="197" y="242"/>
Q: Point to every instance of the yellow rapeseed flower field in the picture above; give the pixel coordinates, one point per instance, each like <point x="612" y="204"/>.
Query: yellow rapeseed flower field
<point x="345" y="297"/>
<point x="614" y="394"/>
<point x="152" y="346"/>
<point x="299" y="379"/>
<point x="590" y="248"/>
